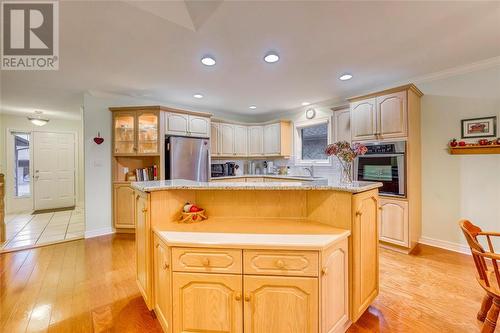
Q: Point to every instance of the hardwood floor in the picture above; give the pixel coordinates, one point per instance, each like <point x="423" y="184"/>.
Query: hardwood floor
<point x="89" y="286"/>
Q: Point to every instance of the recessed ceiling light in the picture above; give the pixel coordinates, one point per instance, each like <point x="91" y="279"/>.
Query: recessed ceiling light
<point x="271" y="57"/>
<point x="198" y="96"/>
<point x="345" y="77"/>
<point x="208" y="61"/>
<point x="253" y="107"/>
<point x="305" y="103"/>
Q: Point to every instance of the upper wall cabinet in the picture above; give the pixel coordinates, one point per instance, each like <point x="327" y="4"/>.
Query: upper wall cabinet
<point x="187" y="125"/>
<point x="342" y="125"/>
<point x="256" y="140"/>
<point x="364" y="120"/>
<point x="381" y="117"/>
<point x="214" y="139"/>
<point x="136" y="133"/>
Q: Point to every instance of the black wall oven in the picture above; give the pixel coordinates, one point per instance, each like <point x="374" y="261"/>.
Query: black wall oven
<point x="384" y="162"/>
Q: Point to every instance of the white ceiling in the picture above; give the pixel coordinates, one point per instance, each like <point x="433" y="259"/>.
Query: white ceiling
<point x="152" y="50"/>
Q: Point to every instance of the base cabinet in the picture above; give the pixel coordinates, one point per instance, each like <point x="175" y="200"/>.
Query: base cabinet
<point x="123" y="206"/>
<point x="281" y="304"/>
<point x="142" y="244"/>
<point x="207" y="303"/>
<point x="200" y="298"/>
<point x="394" y="226"/>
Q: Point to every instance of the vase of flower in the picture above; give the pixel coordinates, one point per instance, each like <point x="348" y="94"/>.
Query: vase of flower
<point x="345" y="153"/>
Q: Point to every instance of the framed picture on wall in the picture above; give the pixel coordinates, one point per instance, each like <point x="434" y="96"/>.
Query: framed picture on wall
<point x="479" y="127"/>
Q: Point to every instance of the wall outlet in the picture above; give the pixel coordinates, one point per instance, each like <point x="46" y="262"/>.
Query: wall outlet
<point x="125" y="170"/>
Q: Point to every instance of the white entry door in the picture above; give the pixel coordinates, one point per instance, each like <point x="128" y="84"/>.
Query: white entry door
<point x="53" y="170"/>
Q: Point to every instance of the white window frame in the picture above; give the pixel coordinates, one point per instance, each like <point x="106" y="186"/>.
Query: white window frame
<point x="298" y="126"/>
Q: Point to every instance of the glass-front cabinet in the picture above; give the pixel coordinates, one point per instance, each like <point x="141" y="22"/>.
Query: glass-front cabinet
<point x="136" y="133"/>
<point x="147" y="135"/>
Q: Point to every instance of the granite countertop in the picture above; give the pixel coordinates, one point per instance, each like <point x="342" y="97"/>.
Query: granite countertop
<point x="317" y="184"/>
<point x="272" y="176"/>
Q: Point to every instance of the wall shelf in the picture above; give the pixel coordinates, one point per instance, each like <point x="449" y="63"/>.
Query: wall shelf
<point x="475" y="150"/>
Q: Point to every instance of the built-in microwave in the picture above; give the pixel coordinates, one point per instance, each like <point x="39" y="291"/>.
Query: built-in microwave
<point x="384" y="162"/>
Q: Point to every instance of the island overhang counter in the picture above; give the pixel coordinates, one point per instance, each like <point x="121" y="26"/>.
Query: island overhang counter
<point x="312" y="244"/>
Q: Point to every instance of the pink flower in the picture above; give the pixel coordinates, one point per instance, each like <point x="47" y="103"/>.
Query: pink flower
<point x="344" y="151"/>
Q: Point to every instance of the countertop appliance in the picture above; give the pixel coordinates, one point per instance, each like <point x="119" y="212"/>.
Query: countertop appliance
<point x="384" y="162"/>
<point x="187" y="158"/>
<point x="223" y="169"/>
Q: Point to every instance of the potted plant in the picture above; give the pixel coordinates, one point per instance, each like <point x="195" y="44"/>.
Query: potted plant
<point x="345" y="153"/>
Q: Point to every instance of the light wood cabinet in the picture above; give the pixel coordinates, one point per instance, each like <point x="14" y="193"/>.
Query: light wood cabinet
<point x="187" y="125"/>
<point x="280" y="304"/>
<point x="272" y="139"/>
<point x="214" y="139"/>
<point x="254" y="180"/>
<point x="342" y="125"/>
<point x="123" y="206"/>
<point x="227" y="139"/>
<point x="296" y="263"/>
<point x="394" y="226"/>
<point x="334" y="289"/>
<point x="136" y="133"/>
<point x="381" y="117"/>
<point x="365" y="274"/>
<point x="255" y="140"/>
<point x="364" y="120"/>
<point x="240" y="140"/>
<point x="206" y="260"/>
<point x="392" y="115"/>
<point x="162" y="285"/>
<point x="142" y="243"/>
<point x="207" y="303"/>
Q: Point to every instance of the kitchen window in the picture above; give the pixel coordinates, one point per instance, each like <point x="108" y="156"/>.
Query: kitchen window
<point x="311" y="139"/>
<point x="21" y="164"/>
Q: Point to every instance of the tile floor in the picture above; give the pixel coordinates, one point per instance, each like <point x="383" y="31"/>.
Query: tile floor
<point x="26" y="230"/>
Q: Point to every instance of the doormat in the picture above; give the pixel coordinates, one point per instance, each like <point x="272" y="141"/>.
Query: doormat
<point x="43" y="211"/>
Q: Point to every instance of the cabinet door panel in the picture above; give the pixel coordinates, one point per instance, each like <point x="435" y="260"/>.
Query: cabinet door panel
<point x="124" y="133"/>
<point x="272" y="139"/>
<point x="148" y="133"/>
<point x="334" y="288"/>
<point x="342" y="125"/>
<point x="214" y="139"/>
<point x="240" y="140"/>
<point x="392" y="115"/>
<point x="298" y="263"/>
<point x="124" y="203"/>
<point x="227" y="139"/>
<point x="394" y="221"/>
<point x="364" y="236"/>
<point x="162" y="291"/>
<point x="281" y="304"/>
<point x="177" y="123"/>
<point x="363" y="120"/>
<point x="198" y="126"/>
<point x="207" y="303"/>
<point x="255" y="140"/>
<point x="207" y="260"/>
<point x="142" y="247"/>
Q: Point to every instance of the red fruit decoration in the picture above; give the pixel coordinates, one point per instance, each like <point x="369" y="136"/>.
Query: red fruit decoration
<point x="462" y="143"/>
<point x="453" y="143"/>
<point x="194" y="209"/>
<point x="497" y="142"/>
<point x="483" y="142"/>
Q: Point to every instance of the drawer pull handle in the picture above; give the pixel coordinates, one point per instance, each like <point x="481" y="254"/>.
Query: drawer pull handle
<point x="157" y="245"/>
<point x="237" y="296"/>
<point x="247" y="297"/>
<point x="324" y="271"/>
<point x="144" y="210"/>
<point x="280" y="263"/>
<point x="206" y="262"/>
<point x="359" y="213"/>
<point x="165" y="266"/>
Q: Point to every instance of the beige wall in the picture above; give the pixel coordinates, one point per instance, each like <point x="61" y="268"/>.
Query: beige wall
<point x="14" y="122"/>
<point x="456" y="187"/>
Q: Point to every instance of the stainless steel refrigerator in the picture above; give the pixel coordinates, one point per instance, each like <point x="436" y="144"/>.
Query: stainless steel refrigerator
<point x="187" y="158"/>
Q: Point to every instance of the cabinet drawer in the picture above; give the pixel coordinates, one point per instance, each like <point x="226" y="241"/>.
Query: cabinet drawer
<point x="295" y="263"/>
<point x="206" y="260"/>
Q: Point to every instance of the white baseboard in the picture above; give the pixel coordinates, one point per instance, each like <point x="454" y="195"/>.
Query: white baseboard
<point x="99" y="232"/>
<point x="455" y="247"/>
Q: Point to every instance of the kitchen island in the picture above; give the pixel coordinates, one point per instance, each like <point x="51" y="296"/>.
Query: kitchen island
<point x="286" y="256"/>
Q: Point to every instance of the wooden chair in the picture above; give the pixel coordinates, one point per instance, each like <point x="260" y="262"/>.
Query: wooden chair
<point x="487" y="275"/>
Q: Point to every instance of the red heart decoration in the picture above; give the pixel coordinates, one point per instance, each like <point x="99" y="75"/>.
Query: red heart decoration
<point x="98" y="140"/>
